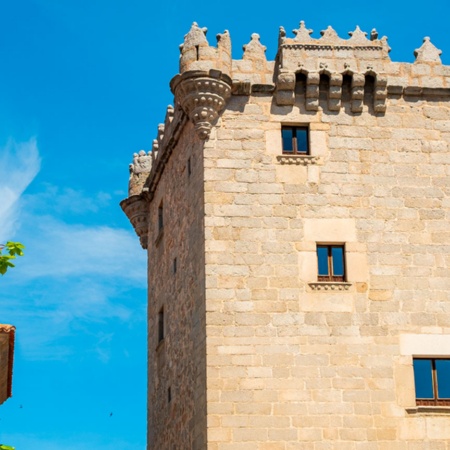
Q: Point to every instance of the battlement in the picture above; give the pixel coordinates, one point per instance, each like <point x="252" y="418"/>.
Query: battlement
<point x="305" y="68"/>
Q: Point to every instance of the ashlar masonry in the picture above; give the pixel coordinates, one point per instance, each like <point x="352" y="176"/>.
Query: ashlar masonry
<point x="296" y="218"/>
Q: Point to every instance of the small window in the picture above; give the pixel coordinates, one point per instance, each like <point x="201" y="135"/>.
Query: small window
<point x="189" y="168"/>
<point x="169" y="395"/>
<point x="160" y="217"/>
<point x="174" y="265"/>
<point x="331" y="263"/>
<point x="432" y="381"/>
<point x="161" y="325"/>
<point x="295" y="140"/>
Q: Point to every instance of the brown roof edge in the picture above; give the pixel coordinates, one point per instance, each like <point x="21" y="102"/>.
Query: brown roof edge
<point x="11" y="330"/>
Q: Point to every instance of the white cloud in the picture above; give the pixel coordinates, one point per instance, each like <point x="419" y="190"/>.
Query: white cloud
<point x="19" y="165"/>
<point x="67" y="200"/>
<point x="57" y="249"/>
<point x="75" y="278"/>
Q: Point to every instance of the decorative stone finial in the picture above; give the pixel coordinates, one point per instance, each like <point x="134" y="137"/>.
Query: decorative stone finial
<point x="357" y="36"/>
<point x="330" y="35"/>
<point x="197" y="54"/>
<point x="281" y="36"/>
<point x="224" y="41"/>
<point x="254" y="49"/>
<point x="427" y="52"/>
<point x="373" y="35"/>
<point x="302" y="34"/>
<point x="139" y="170"/>
<point x="195" y="36"/>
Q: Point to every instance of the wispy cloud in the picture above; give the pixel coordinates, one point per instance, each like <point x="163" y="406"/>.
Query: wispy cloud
<point x="19" y="165"/>
<point x="65" y="200"/>
<point x="57" y="249"/>
<point x="77" y="271"/>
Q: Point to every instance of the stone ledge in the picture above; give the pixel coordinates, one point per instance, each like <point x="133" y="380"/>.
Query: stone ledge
<point x="429" y="410"/>
<point x="329" y="286"/>
<point x="299" y="160"/>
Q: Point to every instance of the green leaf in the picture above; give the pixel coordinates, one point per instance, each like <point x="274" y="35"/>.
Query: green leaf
<point x="13" y="249"/>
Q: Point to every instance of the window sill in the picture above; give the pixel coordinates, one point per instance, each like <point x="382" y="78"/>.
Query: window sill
<point x="299" y="160"/>
<point x="329" y="286"/>
<point x="445" y="410"/>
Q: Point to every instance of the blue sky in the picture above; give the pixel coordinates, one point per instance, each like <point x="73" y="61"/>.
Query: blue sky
<point x="83" y="85"/>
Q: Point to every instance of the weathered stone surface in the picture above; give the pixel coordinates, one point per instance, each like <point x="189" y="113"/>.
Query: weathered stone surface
<point x="259" y="354"/>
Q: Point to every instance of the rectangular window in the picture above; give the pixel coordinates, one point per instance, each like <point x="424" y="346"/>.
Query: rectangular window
<point x="161" y="325"/>
<point x="432" y="381"/>
<point x="295" y="140"/>
<point x="160" y="217"/>
<point x="331" y="262"/>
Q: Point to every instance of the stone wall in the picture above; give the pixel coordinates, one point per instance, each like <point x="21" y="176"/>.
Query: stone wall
<point x="178" y="361"/>
<point x="290" y="364"/>
<point x="258" y="353"/>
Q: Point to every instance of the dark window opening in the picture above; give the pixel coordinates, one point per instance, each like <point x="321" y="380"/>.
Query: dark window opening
<point x="300" y="84"/>
<point x="295" y="140"/>
<point x="197" y="53"/>
<point x="160" y="217"/>
<point x="174" y="265"/>
<point x="161" y="325"/>
<point x="331" y="263"/>
<point x="369" y="89"/>
<point x="169" y="395"/>
<point x="189" y="168"/>
<point x="324" y="86"/>
<point x="346" y="88"/>
<point x="432" y="381"/>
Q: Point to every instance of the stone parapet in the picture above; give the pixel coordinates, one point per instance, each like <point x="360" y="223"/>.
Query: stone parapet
<point x="343" y="70"/>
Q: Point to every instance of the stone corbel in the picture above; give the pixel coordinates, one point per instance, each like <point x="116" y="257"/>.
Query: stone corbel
<point x="137" y="210"/>
<point x="285" y="88"/>
<point x="312" y="91"/>
<point x="358" y="81"/>
<point x="203" y="96"/>
<point x="335" y="93"/>
<point x="380" y="94"/>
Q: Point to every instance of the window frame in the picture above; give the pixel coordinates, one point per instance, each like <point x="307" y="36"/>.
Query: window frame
<point x="435" y="401"/>
<point x="295" y="151"/>
<point x="331" y="278"/>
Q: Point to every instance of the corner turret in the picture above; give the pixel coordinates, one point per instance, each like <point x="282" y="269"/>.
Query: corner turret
<point x="203" y="85"/>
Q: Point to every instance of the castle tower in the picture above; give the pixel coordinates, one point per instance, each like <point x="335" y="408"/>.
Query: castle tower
<point x="296" y="218"/>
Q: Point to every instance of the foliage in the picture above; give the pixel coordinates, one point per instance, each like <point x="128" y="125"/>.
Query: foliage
<point x="8" y="252"/>
<point x="6" y="447"/>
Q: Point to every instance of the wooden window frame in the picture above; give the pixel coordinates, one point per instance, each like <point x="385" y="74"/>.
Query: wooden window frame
<point x="331" y="277"/>
<point x="435" y="401"/>
<point x="295" y="129"/>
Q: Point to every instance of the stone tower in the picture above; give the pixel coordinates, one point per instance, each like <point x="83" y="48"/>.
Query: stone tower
<point x="296" y="218"/>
